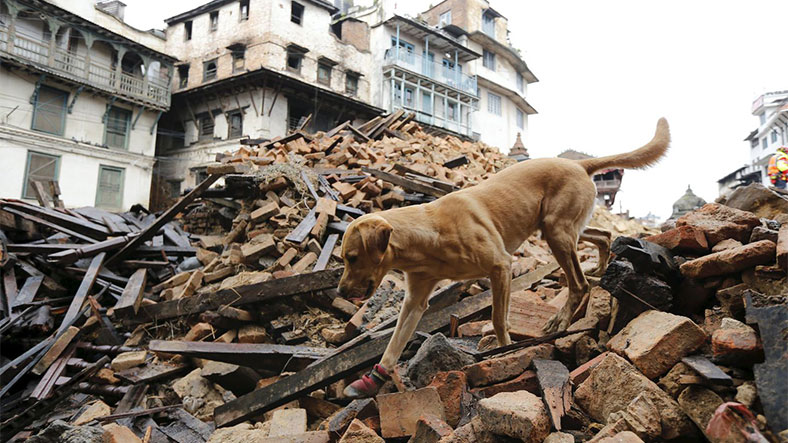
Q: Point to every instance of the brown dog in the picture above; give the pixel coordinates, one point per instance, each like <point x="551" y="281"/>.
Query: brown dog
<point x="472" y="233"/>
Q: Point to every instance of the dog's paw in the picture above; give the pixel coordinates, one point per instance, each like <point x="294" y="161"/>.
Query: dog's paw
<point x="557" y="323"/>
<point x="596" y="272"/>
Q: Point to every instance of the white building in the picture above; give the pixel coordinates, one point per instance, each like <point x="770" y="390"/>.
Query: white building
<point x="772" y="132"/>
<point x="254" y="69"/>
<point x="501" y="72"/>
<point x="81" y="93"/>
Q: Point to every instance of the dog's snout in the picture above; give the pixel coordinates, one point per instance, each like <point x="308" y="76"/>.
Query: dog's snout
<point x="341" y="291"/>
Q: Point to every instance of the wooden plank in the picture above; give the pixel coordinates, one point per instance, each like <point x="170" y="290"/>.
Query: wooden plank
<point x="239" y="296"/>
<point x="83" y="251"/>
<point x="52" y="354"/>
<point x="131" y="298"/>
<point x="84" y="290"/>
<point x="152" y="372"/>
<point x="186" y="428"/>
<point x="89" y="229"/>
<point x="256" y="356"/>
<point x="456" y="162"/>
<point x="325" y="253"/>
<point x="10" y="289"/>
<point x="175" y="238"/>
<point x="708" y="370"/>
<point x="405" y="183"/>
<point x="336" y="367"/>
<point x="163" y="219"/>
<point x="49" y="224"/>
<point x="303" y="229"/>
<point x="556" y="391"/>
<point x="29" y="290"/>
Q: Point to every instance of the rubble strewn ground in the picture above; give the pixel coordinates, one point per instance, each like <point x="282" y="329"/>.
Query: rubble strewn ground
<point x="223" y="323"/>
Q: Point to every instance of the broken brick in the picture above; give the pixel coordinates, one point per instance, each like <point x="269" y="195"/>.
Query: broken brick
<point x="126" y="360"/>
<point x="526" y="381"/>
<point x="499" y="369"/>
<point x="731" y="260"/>
<point x="518" y="414"/>
<point x="451" y="386"/>
<point x="430" y="429"/>
<point x="720" y="222"/>
<point x="655" y="341"/>
<point x="400" y="411"/>
<point x="358" y="432"/>
<point x="736" y="343"/>
<point x="699" y="404"/>
<point x="288" y="422"/>
<point x="686" y="239"/>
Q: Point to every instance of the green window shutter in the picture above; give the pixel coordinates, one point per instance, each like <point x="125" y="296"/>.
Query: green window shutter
<point x="117" y="128"/>
<point x="109" y="193"/>
<point x="42" y="167"/>
<point x="49" y="110"/>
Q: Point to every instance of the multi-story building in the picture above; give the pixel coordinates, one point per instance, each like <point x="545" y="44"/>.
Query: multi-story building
<point x="501" y="73"/>
<point x="772" y="132"/>
<point x="80" y="97"/>
<point x="255" y="68"/>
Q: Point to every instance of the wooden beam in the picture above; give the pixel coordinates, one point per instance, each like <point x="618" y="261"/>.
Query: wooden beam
<point x="239" y="296"/>
<point x="82" y="293"/>
<point x="325" y="253"/>
<point x="163" y="219"/>
<point x="48" y="224"/>
<point x="261" y="356"/>
<point x="254" y="105"/>
<point x="405" y="183"/>
<point x="131" y="298"/>
<point x="556" y="391"/>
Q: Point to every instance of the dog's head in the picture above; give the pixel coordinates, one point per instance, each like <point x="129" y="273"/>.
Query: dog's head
<point x="364" y="248"/>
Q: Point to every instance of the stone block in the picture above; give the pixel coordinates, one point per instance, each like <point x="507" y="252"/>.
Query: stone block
<point x="580" y="373"/>
<point x="288" y="422"/>
<point x="264" y="212"/>
<point x="452" y="387"/>
<point x="472" y="329"/>
<point x="731" y="260"/>
<point x="655" y="341"/>
<point x="612" y="386"/>
<point x="518" y="414"/>
<point x="720" y="222"/>
<point x="95" y="410"/>
<point x="496" y="370"/>
<point x="435" y="355"/>
<point x="399" y="412"/>
<point x="263" y="244"/>
<point x="126" y="360"/>
<point x="699" y="404"/>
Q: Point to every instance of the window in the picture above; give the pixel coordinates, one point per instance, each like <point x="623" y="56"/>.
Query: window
<point x="296" y="13"/>
<point x="183" y="76"/>
<point x="488" y="23"/>
<point x="452" y="111"/>
<point x="109" y="193"/>
<point x="493" y="103"/>
<point x="426" y="102"/>
<point x="244" y="10"/>
<point x="406" y="50"/>
<point x="774" y="136"/>
<point x="174" y="188"/>
<point x="295" y="56"/>
<point x="351" y="83"/>
<point x="206" y="127"/>
<point x="762" y="118"/>
<point x="209" y="70"/>
<point x="187" y="26"/>
<point x="214" y="21"/>
<point x="239" y="57"/>
<point x="445" y="19"/>
<point x="764" y="143"/>
<point x="234" y="124"/>
<point x="324" y="74"/>
<point x="116" y="133"/>
<point x="49" y="110"/>
<point x="40" y="166"/>
<point x="520" y="119"/>
<point x="488" y="60"/>
<point x="200" y="175"/>
<point x="520" y="83"/>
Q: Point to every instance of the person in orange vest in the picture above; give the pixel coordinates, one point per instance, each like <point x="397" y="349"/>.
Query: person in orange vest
<point x="778" y="168"/>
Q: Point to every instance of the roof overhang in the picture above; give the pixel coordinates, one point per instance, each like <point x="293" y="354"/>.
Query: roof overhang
<point x="210" y="6"/>
<point x="780" y="115"/>
<point x="518" y="99"/>
<point x="439" y="40"/>
<point x="507" y="52"/>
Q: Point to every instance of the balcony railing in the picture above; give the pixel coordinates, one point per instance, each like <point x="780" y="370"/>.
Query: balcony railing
<point x="77" y="68"/>
<point x="431" y="69"/>
<point x="604" y="185"/>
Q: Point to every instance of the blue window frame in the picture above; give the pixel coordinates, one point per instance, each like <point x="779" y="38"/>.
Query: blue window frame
<point x="488" y="59"/>
<point x="49" y="110"/>
<point x="42" y="167"/>
<point x="109" y="191"/>
<point x="116" y="130"/>
<point x="406" y="52"/>
<point x="488" y="24"/>
<point x="520" y="119"/>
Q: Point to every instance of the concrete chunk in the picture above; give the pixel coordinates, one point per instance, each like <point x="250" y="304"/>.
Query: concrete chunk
<point x="500" y="369"/>
<point x="399" y="412"/>
<point x="126" y="360"/>
<point x="731" y="260"/>
<point x="288" y="422"/>
<point x="518" y="414"/>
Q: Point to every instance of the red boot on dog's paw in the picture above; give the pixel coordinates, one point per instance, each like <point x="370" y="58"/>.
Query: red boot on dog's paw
<point x="368" y="385"/>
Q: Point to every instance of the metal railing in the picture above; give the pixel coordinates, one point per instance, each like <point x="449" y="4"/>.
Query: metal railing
<point x="77" y="68"/>
<point x="431" y="69"/>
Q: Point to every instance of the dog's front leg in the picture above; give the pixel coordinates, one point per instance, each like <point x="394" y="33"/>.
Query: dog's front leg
<point x="501" y="280"/>
<point x="416" y="301"/>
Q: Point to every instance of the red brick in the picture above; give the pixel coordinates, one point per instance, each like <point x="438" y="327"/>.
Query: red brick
<point x="115" y="433"/>
<point x="655" y="341"/>
<point x="581" y="372"/>
<point x="473" y="328"/>
<point x="430" y="429"/>
<point x="720" y="222"/>
<point x="682" y="239"/>
<point x="499" y="369"/>
<point x="731" y="260"/>
<point x="526" y="381"/>
<point x="399" y="412"/>
<point x="736" y="343"/>
<point x="451" y="386"/>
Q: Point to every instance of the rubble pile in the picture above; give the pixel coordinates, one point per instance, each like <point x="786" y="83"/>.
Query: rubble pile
<point x="223" y="323"/>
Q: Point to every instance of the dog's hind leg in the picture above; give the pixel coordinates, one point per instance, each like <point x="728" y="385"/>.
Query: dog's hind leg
<point x="563" y="243"/>
<point x="601" y="239"/>
<point x="501" y="280"/>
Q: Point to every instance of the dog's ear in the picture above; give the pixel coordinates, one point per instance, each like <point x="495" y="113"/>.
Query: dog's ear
<point x="375" y="235"/>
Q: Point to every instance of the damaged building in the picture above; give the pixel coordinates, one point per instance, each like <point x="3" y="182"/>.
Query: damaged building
<point x="607" y="181"/>
<point x="82" y="95"/>
<point x="258" y="69"/>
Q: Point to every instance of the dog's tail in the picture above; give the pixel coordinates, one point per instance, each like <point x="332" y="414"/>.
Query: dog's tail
<point x="640" y="158"/>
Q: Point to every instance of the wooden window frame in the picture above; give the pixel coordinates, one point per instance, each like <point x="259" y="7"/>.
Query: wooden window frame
<point x="126" y="136"/>
<point x="63" y="110"/>
<point x="120" y="191"/>
<point x="230" y="115"/>
<point x="27" y="171"/>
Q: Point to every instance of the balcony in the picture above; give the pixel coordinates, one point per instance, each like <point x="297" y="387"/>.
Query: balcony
<point x="428" y="68"/>
<point x="153" y="91"/>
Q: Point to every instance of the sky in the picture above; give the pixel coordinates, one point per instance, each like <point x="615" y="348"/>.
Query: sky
<point x="609" y="69"/>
